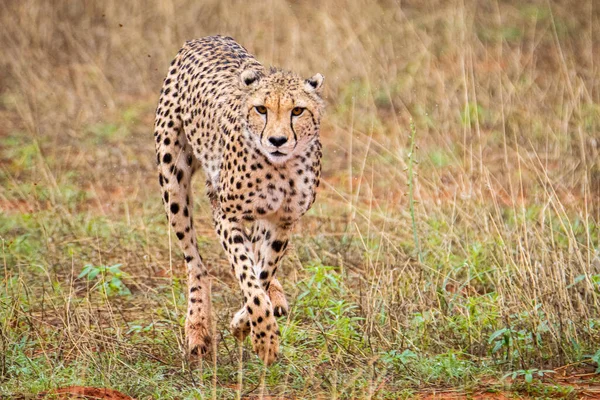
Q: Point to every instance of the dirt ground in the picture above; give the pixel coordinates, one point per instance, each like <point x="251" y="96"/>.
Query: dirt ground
<point x="576" y="382"/>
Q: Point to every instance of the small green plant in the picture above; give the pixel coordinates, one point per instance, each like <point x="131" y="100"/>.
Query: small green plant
<point x="141" y="328"/>
<point x="528" y="374"/>
<point x="109" y="282"/>
<point x="513" y="342"/>
<point x="596" y="358"/>
<point x="520" y="337"/>
<point x="398" y="359"/>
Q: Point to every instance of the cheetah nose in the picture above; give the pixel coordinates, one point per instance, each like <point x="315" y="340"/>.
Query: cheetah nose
<point x="278" y="140"/>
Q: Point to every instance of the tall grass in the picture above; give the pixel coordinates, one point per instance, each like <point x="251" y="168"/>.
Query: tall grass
<point x="489" y="266"/>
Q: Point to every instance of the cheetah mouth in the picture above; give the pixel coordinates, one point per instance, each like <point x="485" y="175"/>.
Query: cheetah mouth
<point x="278" y="154"/>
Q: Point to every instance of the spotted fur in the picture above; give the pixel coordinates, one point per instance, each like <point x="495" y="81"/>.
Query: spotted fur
<point x="255" y="134"/>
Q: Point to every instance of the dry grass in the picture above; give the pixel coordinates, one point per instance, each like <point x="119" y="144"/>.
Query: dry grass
<point x="505" y="100"/>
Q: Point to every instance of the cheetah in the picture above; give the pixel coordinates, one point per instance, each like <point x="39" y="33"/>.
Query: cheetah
<point x="255" y="133"/>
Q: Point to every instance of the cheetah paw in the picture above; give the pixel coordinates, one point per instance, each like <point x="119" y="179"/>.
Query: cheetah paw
<point x="198" y="339"/>
<point x="265" y="342"/>
<point x="240" y="324"/>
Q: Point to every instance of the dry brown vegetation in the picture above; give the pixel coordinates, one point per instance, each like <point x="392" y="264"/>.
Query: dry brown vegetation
<point x="494" y="267"/>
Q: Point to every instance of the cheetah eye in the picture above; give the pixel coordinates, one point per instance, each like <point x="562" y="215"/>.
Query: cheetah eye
<point x="261" y="109"/>
<point x="297" y="111"/>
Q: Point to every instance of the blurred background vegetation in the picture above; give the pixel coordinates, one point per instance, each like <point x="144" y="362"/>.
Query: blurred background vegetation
<point x="450" y="254"/>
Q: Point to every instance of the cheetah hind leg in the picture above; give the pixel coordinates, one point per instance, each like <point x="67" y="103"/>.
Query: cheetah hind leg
<point x="240" y="324"/>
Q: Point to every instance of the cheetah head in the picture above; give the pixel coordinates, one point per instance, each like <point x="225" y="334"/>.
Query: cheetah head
<point x="282" y="111"/>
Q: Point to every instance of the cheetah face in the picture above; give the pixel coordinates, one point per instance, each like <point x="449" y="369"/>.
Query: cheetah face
<point x="282" y="112"/>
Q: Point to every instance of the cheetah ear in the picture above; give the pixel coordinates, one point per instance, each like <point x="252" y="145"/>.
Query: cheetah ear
<point x="249" y="78"/>
<point x="314" y="84"/>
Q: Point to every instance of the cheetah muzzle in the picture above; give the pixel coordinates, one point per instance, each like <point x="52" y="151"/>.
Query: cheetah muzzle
<point x="255" y="134"/>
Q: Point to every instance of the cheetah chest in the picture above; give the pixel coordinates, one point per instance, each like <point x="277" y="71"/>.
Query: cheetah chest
<point x="283" y="193"/>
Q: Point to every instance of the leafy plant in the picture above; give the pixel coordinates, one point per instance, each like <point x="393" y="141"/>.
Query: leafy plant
<point x="528" y="374"/>
<point x="596" y="358"/>
<point x="398" y="358"/>
<point x="109" y="282"/>
<point x="141" y="328"/>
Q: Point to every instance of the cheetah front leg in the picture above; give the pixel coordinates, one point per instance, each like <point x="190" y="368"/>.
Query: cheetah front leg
<point x="269" y="245"/>
<point x="269" y="248"/>
<point x="257" y="305"/>
<point x="273" y="245"/>
<point x="176" y="164"/>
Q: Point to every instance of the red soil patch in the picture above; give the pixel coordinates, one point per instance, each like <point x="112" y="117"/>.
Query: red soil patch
<point x="88" y="393"/>
<point x="581" y="378"/>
